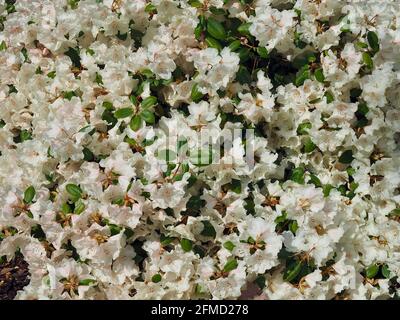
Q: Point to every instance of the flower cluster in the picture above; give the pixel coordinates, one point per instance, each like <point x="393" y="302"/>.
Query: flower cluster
<point x="93" y="93"/>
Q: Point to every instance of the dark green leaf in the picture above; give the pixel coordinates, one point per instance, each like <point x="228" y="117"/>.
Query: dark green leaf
<point x="243" y="75"/>
<point x="208" y="229"/>
<point x="292" y="271"/>
<point x="346" y="157"/>
<point x="362" y="108"/>
<point x="73" y="54"/>
<point x="244" y="29"/>
<point x="216" y="29"/>
<point x="213" y="43"/>
<point x="234" y="45"/>
<point x="156" y="278"/>
<point x="319" y="75"/>
<point x="373" y="41"/>
<point x="262" y="52"/>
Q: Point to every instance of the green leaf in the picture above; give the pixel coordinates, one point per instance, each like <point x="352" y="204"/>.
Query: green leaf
<point x="87" y="154"/>
<point x="367" y="60"/>
<point x="315" y="180"/>
<point x="350" y="171"/>
<point x="66" y="208"/>
<point x="395" y="212"/>
<point x="281" y="218"/>
<point x="25" y="135"/>
<point x="156" y="278"/>
<point x="79" y="207"/>
<point x="298" y="175"/>
<point x="73" y="3"/>
<point x="385" y="271"/>
<point x="108" y="105"/>
<point x="99" y="78"/>
<point x="346" y="157"/>
<point x="148" y="116"/>
<point x="216" y="29"/>
<point x="236" y="186"/>
<point x="362" y="108"/>
<point x="69" y="95"/>
<point x="150" y="8"/>
<point x="373" y="41"/>
<point x="51" y="74"/>
<point x="361" y="45"/>
<point x="292" y="271"/>
<point x="149" y="102"/>
<point x="244" y="29"/>
<point x="123" y="113"/>
<point x="262" y="52"/>
<point x="74" y="190"/>
<point x="114" y="229"/>
<point x="244" y="54"/>
<point x="136" y="123"/>
<point x="228" y="245"/>
<point x="3" y="46"/>
<point x="260" y="281"/>
<point x="29" y="194"/>
<point x="319" y="75"/>
<point x="234" y="45"/>
<point x="301" y="77"/>
<point x="329" y="97"/>
<point x="186" y="245"/>
<point x="372" y="271"/>
<point x="293" y="226"/>
<point x="208" y="229"/>
<point x="309" y="146"/>
<point x="303" y="128"/>
<point x="164" y="240"/>
<point x="195" y="3"/>
<point x="243" y="75"/>
<point x="73" y="54"/>
<point x="213" y="43"/>
<point x="86" y="282"/>
<point x="196" y="95"/>
<point x="230" y="265"/>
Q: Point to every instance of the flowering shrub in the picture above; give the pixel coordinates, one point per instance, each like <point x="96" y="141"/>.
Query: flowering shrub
<point x="107" y="191"/>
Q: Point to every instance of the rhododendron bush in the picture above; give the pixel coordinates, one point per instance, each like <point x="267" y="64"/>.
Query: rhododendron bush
<point x="200" y="149"/>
